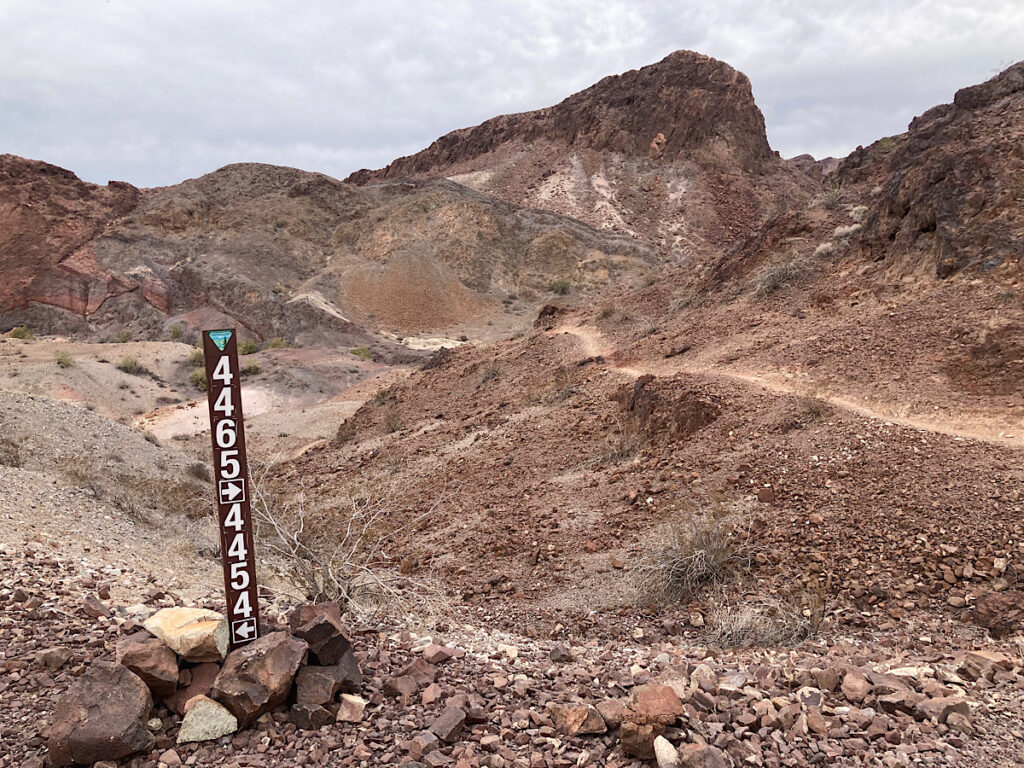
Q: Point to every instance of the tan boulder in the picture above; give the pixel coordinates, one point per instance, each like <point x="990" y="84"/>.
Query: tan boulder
<point x="577" y="719"/>
<point x="195" y="634"/>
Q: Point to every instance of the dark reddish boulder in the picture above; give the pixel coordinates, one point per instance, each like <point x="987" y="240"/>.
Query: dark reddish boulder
<point x="150" y="659"/>
<point x="258" y="677"/>
<point x="102" y="717"/>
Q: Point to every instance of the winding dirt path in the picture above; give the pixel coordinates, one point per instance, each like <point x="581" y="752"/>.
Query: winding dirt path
<point x="594" y="344"/>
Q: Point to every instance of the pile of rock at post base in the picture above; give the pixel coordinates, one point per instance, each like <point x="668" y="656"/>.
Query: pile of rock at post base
<point x="180" y="658"/>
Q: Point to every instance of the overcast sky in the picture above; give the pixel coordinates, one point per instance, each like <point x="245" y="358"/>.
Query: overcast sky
<point x="153" y="92"/>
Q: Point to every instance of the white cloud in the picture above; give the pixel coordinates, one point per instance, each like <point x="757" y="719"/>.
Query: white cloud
<point x="154" y="92"/>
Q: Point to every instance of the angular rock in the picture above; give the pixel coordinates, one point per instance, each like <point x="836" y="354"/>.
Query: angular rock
<point x="54" y="658"/>
<point x="94" y="607"/>
<point x="422" y="744"/>
<point x="939" y="709"/>
<point x="195" y="634"/>
<point x="577" y="719"/>
<point x="351" y="708"/>
<point x="666" y="755"/>
<point x="201" y="679"/>
<point x="449" y="724"/>
<point x="151" y="659"/>
<point x="982" y="665"/>
<point x="612" y="711"/>
<point x="310" y="717"/>
<point x="638" y="739"/>
<point x="320" y="685"/>
<point x="560" y="653"/>
<point x="400" y="686"/>
<point x="653" y="703"/>
<point x="901" y="701"/>
<point x="102" y="717"/>
<point x="326" y="638"/>
<point x="258" y="676"/>
<point x="855" y="686"/>
<point x="204" y="720"/>
<point x="420" y="671"/>
<point x="1001" y="613"/>
<point x="437" y="654"/>
<point x="304" y="614"/>
<point x="702" y="756"/>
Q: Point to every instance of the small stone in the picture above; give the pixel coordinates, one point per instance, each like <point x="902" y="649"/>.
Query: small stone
<point x="437" y="654"/>
<point x="666" y="755"/>
<point x="702" y="756"/>
<point x="310" y="717"/>
<point x="940" y="708"/>
<point x="170" y="758"/>
<point x="960" y="723"/>
<point x="94" y="607"/>
<point x="577" y="719"/>
<point x="560" y="653"/>
<point x="205" y="719"/>
<point x="400" y="686"/>
<point x="855" y="686"/>
<point x="54" y="658"/>
<point x="351" y="708"/>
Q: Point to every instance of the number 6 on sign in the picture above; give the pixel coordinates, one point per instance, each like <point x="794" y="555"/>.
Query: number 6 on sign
<point x="227" y="433"/>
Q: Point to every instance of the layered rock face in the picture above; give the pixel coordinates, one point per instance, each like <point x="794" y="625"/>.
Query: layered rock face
<point x="674" y="153"/>
<point x="684" y="106"/>
<point x="48" y="219"/>
<point x="948" y="191"/>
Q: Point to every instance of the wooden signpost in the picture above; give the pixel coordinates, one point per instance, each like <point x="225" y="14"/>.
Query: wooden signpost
<point x="231" y="475"/>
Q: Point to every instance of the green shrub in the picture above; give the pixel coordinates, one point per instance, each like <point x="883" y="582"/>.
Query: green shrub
<point x="195" y="357"/>
<point x="363" y="352"/>
<point x="123" y="337"/>
<point x="831" y="197"/>
<point x="23" y="333"/>
<point x="561" y="287"/>
<point x="278" y="342"/>
<point x="64" y="358"/>
<point x="279" y="289"/>
<point x="248" y="346"/>
<point x="175" y="332"/>
<point x="384" y="396"/>
<point x="197" y="377"/>
<point x="131" y="365"/>
<point x="250" y="369"/>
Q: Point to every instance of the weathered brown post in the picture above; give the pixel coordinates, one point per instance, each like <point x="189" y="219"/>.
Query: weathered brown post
<point x="231" y="476"/>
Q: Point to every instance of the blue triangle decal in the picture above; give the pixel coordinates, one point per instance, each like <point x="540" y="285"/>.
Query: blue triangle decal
<point x="220" y="338"/>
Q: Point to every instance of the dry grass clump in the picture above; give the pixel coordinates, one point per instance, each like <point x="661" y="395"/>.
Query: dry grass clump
<point x="346" y="552"/>
<point x="132" y="366"/>
<point x="831" y="197"/>
<point x="825" y="250"/>
<point x="64" y="358"/>
<point x="766" y="622"/>
<point x="693" y="552"/>
<point x="843" y="232"/>
<point x="858" y="212"/>
<point x="561" y="287"/>
<point x="197" y="378"/>
<point x="10" y="454"/>
<point x="778" y="276"/>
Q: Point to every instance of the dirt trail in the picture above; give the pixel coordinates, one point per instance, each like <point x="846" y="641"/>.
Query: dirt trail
<point x="595" y="344"/>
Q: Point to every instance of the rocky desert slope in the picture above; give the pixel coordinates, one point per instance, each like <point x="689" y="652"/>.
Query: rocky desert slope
<point x="749" y="493"/>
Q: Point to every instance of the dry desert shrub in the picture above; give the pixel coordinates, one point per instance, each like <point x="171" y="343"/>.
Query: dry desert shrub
<point x="64" y="358"/>
<point x="777" y="276"/>
<point x="766" y="621"/>
<point x="345" y="553"/>
<point x="10" y="454"/>
<point x="692" y="552"/>
<point x="831" y="197"/>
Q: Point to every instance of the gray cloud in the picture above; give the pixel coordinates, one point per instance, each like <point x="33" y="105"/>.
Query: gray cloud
<point x="155" y="92"/>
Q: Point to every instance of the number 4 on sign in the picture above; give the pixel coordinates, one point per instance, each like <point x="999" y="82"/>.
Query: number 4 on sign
<point x="224" y="404"/>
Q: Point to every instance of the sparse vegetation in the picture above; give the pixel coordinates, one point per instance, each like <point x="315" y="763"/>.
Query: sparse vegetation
<point x="132" y="366"/>
<point x="197" y="377"/>
<point x="64" y="358"/>
<point x="825" y="250"/>
<point x="831" y="197"/>
<point x="251" y="368"/>
<point x="278" y="342"/>
<point x="195" y="357"/>
<point x="175" y="332"/>
<point x="343" y="553"/>
<point x="777" y="276"/>
<point x="363" y="352"/>
<point x="843" y="232"/>
<point x="624" y="442"/>
<point x="561" y="287"/>
<point x="384" y="396"/>
<point x="22" y="332"/>
<point x="766" y="622"/>
<point x="858" y="212"/>
<point x="279" y="289"/>
<point x="123" y="337"/>
<point x="491" y="373"/>
<point x="392" y="420"/>
<point x="691" y="553"/>
<point x="10" y="453"/>
<point x="248" y="346"/>
<point x="200" y="470"/>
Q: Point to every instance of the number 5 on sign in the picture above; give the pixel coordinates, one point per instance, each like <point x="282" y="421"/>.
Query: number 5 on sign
<point x="227" y="433"/>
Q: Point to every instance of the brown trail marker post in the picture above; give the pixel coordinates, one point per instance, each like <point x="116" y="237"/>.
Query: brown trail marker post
<point x="231" y="475"/>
